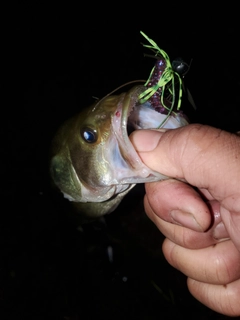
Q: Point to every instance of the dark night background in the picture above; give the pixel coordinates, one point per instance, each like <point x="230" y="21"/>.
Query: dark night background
<point x="56" y="59"/>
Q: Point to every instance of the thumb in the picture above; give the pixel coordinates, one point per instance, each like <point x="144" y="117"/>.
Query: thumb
<point x="204" y="156"/>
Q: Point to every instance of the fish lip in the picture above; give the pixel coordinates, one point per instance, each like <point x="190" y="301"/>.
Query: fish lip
<point x="127" y="104"/>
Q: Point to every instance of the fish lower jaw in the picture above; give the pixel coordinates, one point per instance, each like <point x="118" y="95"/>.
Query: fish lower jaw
<point x="128" y="166"/>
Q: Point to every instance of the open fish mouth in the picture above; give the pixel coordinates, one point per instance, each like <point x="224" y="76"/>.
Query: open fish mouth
<point x="136" y="115"/>
<point x="145" y="116"/>
<point x="132" y="115"/>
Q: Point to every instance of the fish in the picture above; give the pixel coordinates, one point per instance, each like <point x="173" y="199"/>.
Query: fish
<point x="93" y="162"/>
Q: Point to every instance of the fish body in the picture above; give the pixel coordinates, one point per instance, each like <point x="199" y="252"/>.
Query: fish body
<point x="93" y="162"/>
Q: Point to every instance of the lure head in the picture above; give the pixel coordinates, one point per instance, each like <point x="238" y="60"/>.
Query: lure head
<point x="180" y="66"/>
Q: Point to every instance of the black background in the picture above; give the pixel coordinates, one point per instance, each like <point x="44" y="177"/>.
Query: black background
<point x="56" y="58"/>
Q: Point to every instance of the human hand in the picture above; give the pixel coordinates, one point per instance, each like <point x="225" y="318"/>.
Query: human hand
<point x="200" y="212"/>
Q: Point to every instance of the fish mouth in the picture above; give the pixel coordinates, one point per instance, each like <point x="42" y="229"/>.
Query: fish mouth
<point x="147" y="115"/>
<point x="131" y="115"/>
<point x="136" y="116"/>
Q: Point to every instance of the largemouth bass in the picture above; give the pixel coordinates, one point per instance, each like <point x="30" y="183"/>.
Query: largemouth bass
<point x="93" y="161"/>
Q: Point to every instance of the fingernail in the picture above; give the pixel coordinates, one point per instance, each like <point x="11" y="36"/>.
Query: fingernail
<point x="146" y="140"/>
<point x="220" y="232"/>
<point x="185" y="219"/>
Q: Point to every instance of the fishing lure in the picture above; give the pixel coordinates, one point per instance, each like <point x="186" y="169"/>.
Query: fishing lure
<point x="161" y="83"/>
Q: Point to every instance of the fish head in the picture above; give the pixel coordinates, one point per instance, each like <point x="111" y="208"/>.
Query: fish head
<point x="93" y="161"/>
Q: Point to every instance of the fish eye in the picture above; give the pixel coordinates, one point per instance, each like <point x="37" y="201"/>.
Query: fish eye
<point x="89" y="135"/>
